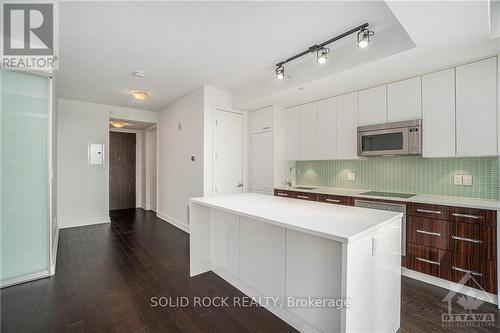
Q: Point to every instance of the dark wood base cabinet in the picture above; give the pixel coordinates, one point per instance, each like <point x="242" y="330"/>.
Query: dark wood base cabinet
<point x="453" y="243"/>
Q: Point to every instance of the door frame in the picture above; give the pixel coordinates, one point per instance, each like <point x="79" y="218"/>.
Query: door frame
<point x="147" y="205"/>
<point x="245" y="146"/>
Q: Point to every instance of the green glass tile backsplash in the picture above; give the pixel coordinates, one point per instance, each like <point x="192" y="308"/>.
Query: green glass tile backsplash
<point x="410" y="174"/>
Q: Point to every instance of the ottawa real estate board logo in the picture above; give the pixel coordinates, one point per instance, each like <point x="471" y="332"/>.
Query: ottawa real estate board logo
<point x="29" y="35"/>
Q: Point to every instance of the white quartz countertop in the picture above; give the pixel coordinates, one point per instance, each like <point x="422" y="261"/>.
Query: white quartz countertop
<point x="419" y="198"/>
<point x="337" y="222"/>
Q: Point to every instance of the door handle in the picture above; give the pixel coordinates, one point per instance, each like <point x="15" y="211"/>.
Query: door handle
<point x="239" y="185"/>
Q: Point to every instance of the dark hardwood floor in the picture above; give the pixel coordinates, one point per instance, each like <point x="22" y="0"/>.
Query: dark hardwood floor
<point x="107" y="274"/>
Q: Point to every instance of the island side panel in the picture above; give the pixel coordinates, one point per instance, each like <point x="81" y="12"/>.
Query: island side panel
<point x="199" y="239"/>
<point x="314" y="269"/>
<point x="225" y="241"/>
<point x="373" y="281"/>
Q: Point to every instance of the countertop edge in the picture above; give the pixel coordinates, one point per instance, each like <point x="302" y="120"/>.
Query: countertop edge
<point x="346" y="240"/>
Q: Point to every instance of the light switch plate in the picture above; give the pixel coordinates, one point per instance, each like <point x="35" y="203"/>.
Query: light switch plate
<point x="351" y="176"/>
<point x="467" y="180"/>
<point x="457" y="180"/>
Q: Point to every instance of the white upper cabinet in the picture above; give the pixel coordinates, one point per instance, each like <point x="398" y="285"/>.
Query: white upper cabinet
<point x="438" y="114"/>
<point x="308" y="132"/>
<point x="477" y="126"/>
<point x="327" y="129"/>
<point x="261" y="161"/>
<point x="404" y="100"/>
<point x="347" y="126"/>
<point x="373" y="106"/>
<point x="261" y="120"/>
<point x="292" y="133"/>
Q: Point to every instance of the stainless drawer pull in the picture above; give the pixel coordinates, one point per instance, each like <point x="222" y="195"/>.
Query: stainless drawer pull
<point x="283" y="194"/>
<point x="477" y="217"/>
<point x="478" y="241"/>
<point x="428" y="211"/>
<point x="266" y="128"/>
<point x="428" y="233"/>
<point x="332" y="200"/>
<point x="428" y="261"/>
<point x="302" y="197"/>
<point x="466" y="271"/>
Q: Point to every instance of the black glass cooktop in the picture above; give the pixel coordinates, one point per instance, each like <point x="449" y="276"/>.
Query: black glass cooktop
<point x="389" y="194"/>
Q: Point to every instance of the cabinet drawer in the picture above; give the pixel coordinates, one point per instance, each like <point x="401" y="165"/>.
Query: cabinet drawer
<point x="428" y="232"/>
<point x="471" y="215"/>
<point x="473" y="239"/>
<point x="482" y="271"/>
<point x="284" y="193"/>
<point x="428" y="260"/>
<point x="336" y="199"/>
<point x="306" y="196"/>
<point x="430" y="211"/>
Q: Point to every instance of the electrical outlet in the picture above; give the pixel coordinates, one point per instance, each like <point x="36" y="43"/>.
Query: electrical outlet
<point x="351" y="176"/>
<point x="457" y="180"/>
<point x="467" y="180"/>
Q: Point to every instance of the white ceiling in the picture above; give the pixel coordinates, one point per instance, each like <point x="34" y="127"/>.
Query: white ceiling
<point x="445" y="33"/>
<point x="231" y="45"/>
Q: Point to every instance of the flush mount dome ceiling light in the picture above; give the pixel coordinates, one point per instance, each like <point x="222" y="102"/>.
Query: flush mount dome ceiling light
<point x="139" y="94"/>
<point x="138" y="74"/>
<point x="363" y="41"/>
<point x="118" y="124"/>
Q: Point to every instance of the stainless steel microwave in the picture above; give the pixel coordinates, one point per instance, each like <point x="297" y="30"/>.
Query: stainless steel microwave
<point x="401" y="138"/>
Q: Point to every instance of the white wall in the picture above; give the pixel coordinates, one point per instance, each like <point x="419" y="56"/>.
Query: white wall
<point x="82" y="189"/>
<point x="180" y="136"/>
<point x="179" y="178"/>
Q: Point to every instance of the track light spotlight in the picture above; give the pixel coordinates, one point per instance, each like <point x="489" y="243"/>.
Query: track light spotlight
<point x="322" y="55"/>
<point x="364" y="37"/>
<point x="280" y="72"/>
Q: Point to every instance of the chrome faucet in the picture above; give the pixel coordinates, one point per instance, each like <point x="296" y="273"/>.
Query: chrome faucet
<point x="289" y="181"/>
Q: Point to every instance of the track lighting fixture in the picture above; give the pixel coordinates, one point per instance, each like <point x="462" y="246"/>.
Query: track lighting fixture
<point x="280" y="72"/>
<point x="364" y="37"/>
<point x="363" y="41"/>
<point x="322" y="55"/>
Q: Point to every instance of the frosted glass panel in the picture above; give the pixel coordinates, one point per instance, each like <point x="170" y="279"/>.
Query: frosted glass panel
<point x="24" y="223"/>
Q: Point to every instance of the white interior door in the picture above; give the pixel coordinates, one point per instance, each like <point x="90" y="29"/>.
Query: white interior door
<point x="228" y="152"/>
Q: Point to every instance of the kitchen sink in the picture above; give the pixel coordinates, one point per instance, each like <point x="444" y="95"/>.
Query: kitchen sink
<point x="304" y="187"/>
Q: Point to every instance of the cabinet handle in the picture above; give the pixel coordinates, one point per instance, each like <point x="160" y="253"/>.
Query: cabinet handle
<point x="282" y="194"/>
<point x="477" y="217"/>
<point x="332" y="200"/>
<point x="428" y="211"/>
<point x="428" y="261"/>
<point x="302" y="197"/>
<point x="266" y="128"/>
<point x="466" y="271"/>
<point x="428" y="233"/>
<point x="470" y="240"/>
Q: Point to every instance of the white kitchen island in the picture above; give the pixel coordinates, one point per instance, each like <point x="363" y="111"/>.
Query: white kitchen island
<point x="297" y="251"/>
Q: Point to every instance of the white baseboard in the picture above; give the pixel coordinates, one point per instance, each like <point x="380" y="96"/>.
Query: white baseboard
<point x="84" y="222"/>
<point x="176" y="223"/>
<point x="456" y="287"/>
<point x="25" y="278"/>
